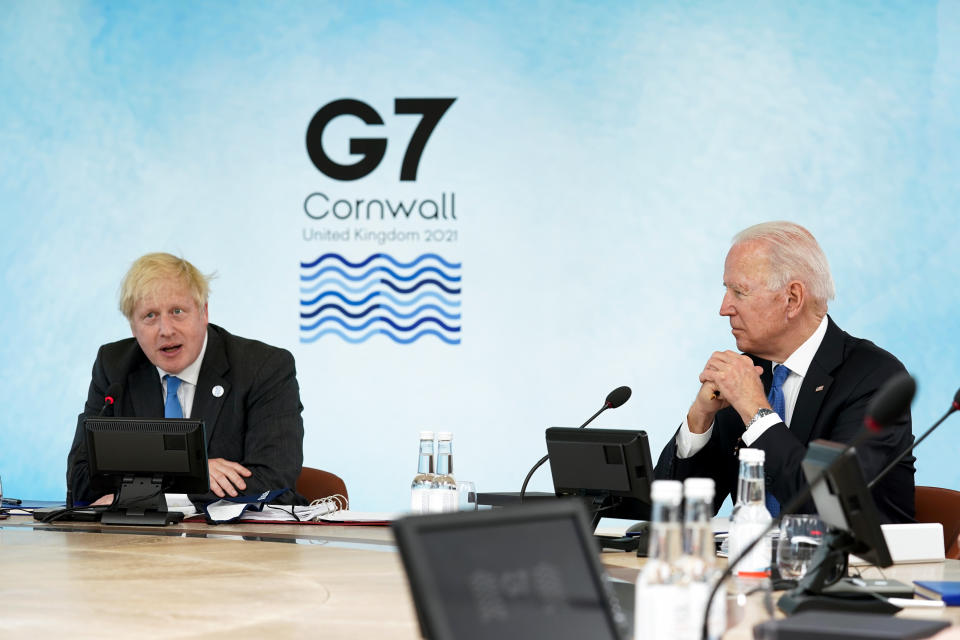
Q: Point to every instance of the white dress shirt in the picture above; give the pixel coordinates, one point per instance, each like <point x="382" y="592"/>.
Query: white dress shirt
<point x="688" y="443"/>
<point x="188" y="382"/>
<point x="185" y="394"/>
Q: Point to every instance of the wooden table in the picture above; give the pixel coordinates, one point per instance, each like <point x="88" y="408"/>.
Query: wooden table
<point x="203" y="582"/>
<point x="248" y="581"/>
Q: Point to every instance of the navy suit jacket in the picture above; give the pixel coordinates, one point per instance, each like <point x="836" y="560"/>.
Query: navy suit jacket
<point x="256" y="421"/>
<point x="843" y="376"/>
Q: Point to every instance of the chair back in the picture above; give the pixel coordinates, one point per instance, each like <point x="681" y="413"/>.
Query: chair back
<point x="314" y="484"/>
<point x="936" y="504"/>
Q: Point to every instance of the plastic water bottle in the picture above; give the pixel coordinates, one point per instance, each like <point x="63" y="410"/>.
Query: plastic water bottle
<point x="661" y="607"/>
<point x="749" y="520"/>
<point x="443" y="489"/>
<point x="698" y="561"/>
<point x="421" y="485"/>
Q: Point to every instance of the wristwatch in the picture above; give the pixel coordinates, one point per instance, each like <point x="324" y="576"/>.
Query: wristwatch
<point x="761" y="413"/>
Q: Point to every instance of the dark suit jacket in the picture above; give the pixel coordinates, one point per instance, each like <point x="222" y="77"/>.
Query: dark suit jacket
<point x="844" y="375"/>
<point x="256" y="421"/>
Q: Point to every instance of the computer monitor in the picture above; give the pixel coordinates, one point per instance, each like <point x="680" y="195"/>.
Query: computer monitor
<point x="140" y="459"/>
<point x="529" y="571"/>
<point x="845" y="504"/>
<point x="610" y="468"/>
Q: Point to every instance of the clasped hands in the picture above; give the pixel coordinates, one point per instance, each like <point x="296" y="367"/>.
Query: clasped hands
<point x="728" y="379"/>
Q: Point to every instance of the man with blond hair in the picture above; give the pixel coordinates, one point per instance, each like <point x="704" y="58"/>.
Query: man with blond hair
<point x="795" y="377"/>
<point x="177" y="365"/>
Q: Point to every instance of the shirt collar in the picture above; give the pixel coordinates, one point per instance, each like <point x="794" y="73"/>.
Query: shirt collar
<point x="799" y="361"/>
<point x="190" y="373"/>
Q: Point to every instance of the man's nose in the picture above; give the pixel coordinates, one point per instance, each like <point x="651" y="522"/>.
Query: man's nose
<point x="726" y="305"/>
<point x="165" y="325"/>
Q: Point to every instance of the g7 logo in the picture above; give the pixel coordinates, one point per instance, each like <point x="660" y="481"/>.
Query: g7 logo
<point x="373" y="149"/>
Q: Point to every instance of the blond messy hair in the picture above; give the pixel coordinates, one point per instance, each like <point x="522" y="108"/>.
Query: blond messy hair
<point x="149" y="272"/>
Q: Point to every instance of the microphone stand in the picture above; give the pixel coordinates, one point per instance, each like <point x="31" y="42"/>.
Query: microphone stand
<point x="954" y="407"/>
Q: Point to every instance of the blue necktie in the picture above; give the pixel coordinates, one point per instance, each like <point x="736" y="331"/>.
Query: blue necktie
<point x="779" y="405"/>
<point x="172" y="407"/>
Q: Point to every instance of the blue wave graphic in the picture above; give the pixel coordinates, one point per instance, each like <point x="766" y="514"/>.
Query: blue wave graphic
<point x="341" y="297"/>
<point x="361" y="327"/>
<point x="374" y="307"/>
<point x="387" y="257"/>
<point x="385" y="307"/>
<point x="375" y="270"/>
<point x="364" y="338"/>
<point x="334" y="281"/>
<point x="396" y="300"/>
<point x="379" y="300"/>
<point x="422" y="283"/>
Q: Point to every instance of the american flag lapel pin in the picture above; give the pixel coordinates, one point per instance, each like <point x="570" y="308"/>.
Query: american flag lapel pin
<point x="820" y="388"/>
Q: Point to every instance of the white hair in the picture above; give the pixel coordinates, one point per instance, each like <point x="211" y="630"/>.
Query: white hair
<point x="793" y="255"/>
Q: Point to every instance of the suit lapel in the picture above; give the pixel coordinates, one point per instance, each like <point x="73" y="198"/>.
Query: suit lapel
<point x="145" y="391"/>
<point x="212" y="387"/>
<point x="816" y="384"/>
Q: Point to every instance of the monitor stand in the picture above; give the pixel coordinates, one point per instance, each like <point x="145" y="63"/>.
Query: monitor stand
<point x="140" y="501"/>
<point x="826" y="587"/>
<point x="597" y="506"/>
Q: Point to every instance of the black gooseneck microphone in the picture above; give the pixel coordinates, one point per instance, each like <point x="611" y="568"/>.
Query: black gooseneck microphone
<point x="953" y="408"/>
<point x="614" y="399"/>
<point x="888" y="404"/>
<point x="109" y="400"/>
<point x="110" y="397"/>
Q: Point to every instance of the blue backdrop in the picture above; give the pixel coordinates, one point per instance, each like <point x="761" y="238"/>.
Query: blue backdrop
<point x="584" y="183"/>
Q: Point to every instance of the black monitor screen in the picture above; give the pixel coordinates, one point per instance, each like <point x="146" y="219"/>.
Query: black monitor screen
<point x="843" y="500"/>
<point x="608" y="465"/>
<point x="173" y="450"/>
<point x="517" y="572"/>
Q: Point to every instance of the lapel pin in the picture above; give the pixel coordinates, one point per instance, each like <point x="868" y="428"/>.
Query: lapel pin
<point x="820" y="388"/>
<point x="218" y="391"/>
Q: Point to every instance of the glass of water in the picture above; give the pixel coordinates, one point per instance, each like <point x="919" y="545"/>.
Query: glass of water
<point x="800" y="536"/>
<point x="467" y="495"/>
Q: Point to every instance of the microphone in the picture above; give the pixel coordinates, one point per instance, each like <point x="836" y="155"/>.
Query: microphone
<point x="888" y="404"/>
<point x="613" y="400"/>
<point x="109" y="398"/>
<point x="953" y="408"/>
<point x="618" y="397"/>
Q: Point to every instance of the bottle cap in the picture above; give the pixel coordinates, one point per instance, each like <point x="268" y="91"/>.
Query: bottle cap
<point x="702" y="488"/>
<point x="752" y="455"/>
<point x="669" y="491"/>
<point x="426" y="435"/>
<point x="445" y="435"/>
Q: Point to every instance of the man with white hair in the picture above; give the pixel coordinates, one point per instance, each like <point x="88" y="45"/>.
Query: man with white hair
<point x="798" y="377"/>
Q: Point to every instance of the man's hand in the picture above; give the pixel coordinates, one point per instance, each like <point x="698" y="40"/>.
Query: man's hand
<point x="737" y="380"/>
<point x="704" y="408"/>
<point x="103" y="500"/>
<point x="226" y="477"/>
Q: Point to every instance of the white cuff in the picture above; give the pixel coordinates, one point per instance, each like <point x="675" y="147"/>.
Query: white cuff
<point x="757" y="428"/>
<point x="689" y="443"/>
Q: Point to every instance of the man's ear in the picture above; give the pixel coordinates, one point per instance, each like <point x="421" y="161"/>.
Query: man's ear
<point x="796" y="296"/>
